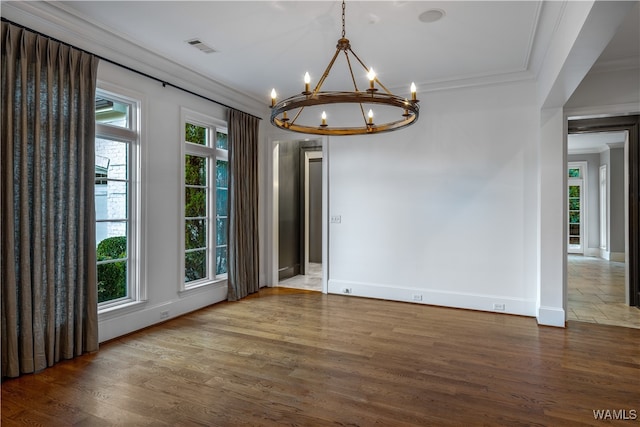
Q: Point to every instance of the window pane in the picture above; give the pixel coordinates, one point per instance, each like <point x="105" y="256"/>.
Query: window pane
<point x="222" y="174"/>
<point x="574" y="173"/>
<point x="195" y="134"/>
<point x="574" y="191"/>
<point x="112" y="112"/>
<point x="195" y="202"/>
<point x="111" y="200"/>
<point x="574" y="217"/>
<point x="112" y="281"/>
<point x="574" y="229"/>
<point x="221" y="260"/>
<point x="111" y="240"/>
<point x="221" y="201"/>
<point x="574" y="240"/>
<point x="222" y="224"/>
<point x="574" y="204"/>
<point x="221" y="141"/>
<point x="195" y="233"/>
<point x="195" y="170"/>
<point x="112" y="157"/>
<point x="195" y="265"/>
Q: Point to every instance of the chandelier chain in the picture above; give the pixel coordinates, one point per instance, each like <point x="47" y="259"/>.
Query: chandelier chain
<point x="343" y="8"/>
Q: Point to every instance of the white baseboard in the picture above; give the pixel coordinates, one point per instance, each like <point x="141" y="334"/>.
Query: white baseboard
<point x="594" y="252"/>
<point x="551" y="316"/>
<point x="616" y="256"/>
<point x="502" y="304"/>
<point x="116" y="325"/>
<point x="612" y="256"/>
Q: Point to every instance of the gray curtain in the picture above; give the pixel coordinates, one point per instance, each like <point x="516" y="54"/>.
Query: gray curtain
<point x="48" y="276"/>
<point x="243" y="205"/>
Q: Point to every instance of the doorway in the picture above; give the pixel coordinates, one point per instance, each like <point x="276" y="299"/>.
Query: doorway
<point x="298" y="176"/>
<point x="630" y="212"/>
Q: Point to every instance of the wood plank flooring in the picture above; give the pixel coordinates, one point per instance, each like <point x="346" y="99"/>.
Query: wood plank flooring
<point x="301" y="358"/>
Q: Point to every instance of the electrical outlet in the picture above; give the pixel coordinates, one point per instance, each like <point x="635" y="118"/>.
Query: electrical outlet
<point x="164" y="314"/>
<point x="417" y="297"/>
<point x="336" y="219"/>
<point x="347" y="291"/>
<point x="499" y="307"/>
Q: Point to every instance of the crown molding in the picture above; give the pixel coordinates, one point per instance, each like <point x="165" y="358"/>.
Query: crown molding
<point x="58" y="21"/>
<point x="629" y="63"/>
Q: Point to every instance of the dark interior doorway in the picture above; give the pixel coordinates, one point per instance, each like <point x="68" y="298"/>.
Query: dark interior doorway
<point x="292" y="249"/>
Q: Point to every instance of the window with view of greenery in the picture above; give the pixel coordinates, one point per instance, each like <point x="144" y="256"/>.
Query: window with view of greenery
<point x="115" y="154"/>
<point x="205" y="198"/>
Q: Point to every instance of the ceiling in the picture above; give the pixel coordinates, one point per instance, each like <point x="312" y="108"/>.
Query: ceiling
<point x="264" y="44"/>
<point x="260" y="45"/>
<point x="594" y="142"/>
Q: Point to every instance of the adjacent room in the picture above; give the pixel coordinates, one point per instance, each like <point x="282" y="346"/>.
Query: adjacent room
<point x="320" y="213"/>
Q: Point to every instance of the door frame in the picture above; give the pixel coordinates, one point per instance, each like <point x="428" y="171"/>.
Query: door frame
<point x="308" y="156"/>
<point x="630" y="123"/>
<point x="272" y="235"/>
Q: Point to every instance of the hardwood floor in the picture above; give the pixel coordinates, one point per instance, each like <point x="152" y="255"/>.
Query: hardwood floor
<point x="296" y="357"/>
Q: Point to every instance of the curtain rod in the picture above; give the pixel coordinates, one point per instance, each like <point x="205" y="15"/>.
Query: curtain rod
<point x="164" y="83"/>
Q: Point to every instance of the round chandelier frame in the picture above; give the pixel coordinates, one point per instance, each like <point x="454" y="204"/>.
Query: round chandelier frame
<point x="408" y="106"/>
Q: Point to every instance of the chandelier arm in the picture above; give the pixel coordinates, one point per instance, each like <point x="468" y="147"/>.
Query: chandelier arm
<point x="367" y="69"/>
<point x="326" y="72"/>
<point x="355" y="85"/>
<point x="297" y="115"/>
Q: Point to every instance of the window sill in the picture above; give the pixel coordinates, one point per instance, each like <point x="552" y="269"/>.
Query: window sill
<point x="217" y="283"/>
<point x="120" y="309"/>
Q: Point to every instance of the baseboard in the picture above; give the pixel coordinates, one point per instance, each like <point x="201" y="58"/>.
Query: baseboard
<point x="551" y="316"/>
<point x="492" y="303"/>
<point x="119" y="324"/>
<point x="612" y="256"/>
<point x="617" y="256"/>
<point x="593" y="252"/>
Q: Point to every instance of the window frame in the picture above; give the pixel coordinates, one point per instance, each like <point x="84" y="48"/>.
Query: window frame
<point x="136" y="283"/>
<point x="212" y="155"/>
<point x="581" y="181"/>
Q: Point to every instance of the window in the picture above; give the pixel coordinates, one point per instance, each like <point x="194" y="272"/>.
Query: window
<point x="604" y="209"/>
<point x="116" y="195"/>
<point x="576" y="197"/>
<point x="206" y="185"/>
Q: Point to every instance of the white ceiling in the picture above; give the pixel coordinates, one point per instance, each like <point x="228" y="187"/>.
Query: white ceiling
<point x="264" y="44"/>
<point x="594" y="142"/>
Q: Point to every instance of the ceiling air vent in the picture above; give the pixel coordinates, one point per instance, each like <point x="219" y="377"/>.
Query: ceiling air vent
<point x="203" y="47"/>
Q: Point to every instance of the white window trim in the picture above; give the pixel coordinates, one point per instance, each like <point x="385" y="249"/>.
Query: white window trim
<point x="137" y="277"/>
<point x="212" y="152"/>
<point x="584" y="194"/>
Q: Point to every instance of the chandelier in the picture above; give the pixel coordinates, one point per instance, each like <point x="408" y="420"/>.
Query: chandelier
<point x="286" y="114"/>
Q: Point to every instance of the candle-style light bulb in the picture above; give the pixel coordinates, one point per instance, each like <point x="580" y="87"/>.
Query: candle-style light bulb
<point x="307" y="80"/>
<point x="324" y="119"/>
<point x="413" y="91"/>
<point x="372" y="77"/>
<point x="273" y="97"/>
<point x="370" y="117"/>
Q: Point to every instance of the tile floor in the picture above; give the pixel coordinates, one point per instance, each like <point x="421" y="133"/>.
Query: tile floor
<point x="596" y="292"/>
<point x="311" y="281"/>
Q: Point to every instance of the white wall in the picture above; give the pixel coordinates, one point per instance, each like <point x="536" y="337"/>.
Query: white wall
<point x="438" y="209"/>
<point x="607" y="88"/>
